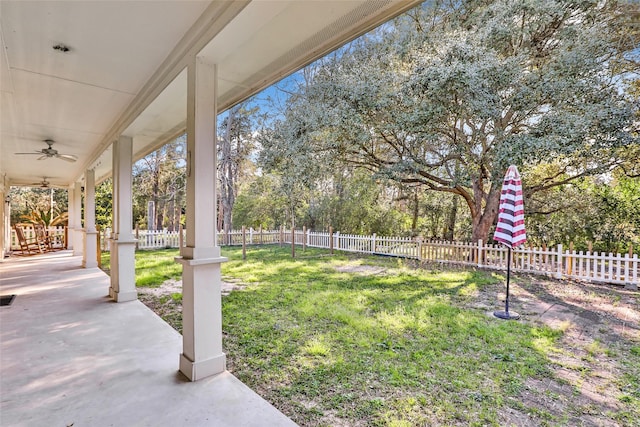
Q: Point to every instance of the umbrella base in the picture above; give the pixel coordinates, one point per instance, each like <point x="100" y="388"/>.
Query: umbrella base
<point x="507" y="315"/>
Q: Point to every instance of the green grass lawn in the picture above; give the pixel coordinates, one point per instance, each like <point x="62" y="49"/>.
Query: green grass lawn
<point x="352" y="340"/>
<point x="152" y="267"/>
<point x="384" y="349"/>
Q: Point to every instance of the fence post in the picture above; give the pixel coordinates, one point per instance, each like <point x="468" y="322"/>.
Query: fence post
<point x="304" y="237"/>
<point x="570" y="260"/>
<point x="480" y="254"/>
<point x="293" y="242"/>
<point x="633" y="280"/>
<point x="260" y="235"/>
<point x="180" y="238"/>
<point x="251" y="235"/>
<point x="244" y="242"/>
<point x="559" y="260"/>
<point x="337" y="245"/>
<point x="419" y="241"/>
<point x="331" y="240"/>
<point x="373" y="243"/>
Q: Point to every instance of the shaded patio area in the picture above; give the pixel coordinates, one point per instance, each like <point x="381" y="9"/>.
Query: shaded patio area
<point x="71" y="356"/>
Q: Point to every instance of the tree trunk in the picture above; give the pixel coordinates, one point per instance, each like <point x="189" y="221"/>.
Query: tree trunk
<point x="171" y="226"/>
<point x="414" y="219"/>
<point x="451" y="220"/>
<point x="484" y="219"/>
<point x="227" y="174"/>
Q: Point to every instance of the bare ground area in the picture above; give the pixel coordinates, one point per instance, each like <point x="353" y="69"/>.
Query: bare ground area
<point x="600" y="324"/>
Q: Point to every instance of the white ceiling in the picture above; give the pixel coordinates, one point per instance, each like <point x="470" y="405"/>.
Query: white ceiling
<point x="124" y="73"/>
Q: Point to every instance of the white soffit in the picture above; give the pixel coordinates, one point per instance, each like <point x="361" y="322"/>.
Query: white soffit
<point x="124" y="73"/>
<point x="75" y="97"/>
<point x="265" y="42"/>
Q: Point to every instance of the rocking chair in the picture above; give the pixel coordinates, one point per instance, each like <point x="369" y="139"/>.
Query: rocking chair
<point x="27" y="245"/>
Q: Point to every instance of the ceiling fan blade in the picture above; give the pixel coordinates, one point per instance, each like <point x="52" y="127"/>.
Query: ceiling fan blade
<point x="67" y="157"/>
<point x="43" y="157"/>
<point x="37" y="152"/>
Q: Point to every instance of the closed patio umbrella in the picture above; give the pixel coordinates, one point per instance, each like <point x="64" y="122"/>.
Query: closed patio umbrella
<point x="510" y="229"/>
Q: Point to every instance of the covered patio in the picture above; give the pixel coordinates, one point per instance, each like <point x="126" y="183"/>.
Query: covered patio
<point x="71" y="356"/>
<point x="87" y="89"/>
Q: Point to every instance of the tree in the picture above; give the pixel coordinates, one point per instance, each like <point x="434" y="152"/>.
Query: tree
<point x="36" y="204"/>
<point x="160" y="177"/>
<point x="447" y="96"/>
<point x="104" y="204"/>
<point x="236" y="144"/>
<point x="603" y="211"/>
<point x="260" y="203"/>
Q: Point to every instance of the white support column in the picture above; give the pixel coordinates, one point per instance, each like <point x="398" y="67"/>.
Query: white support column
<point x="5" y="217"/>
<point x="123" y="243"/>
<point x="90" y="241"/>
<point x="77" y="233"/>
<point x="202" y="354"/>
<point x="5" y="229"/>
<point x="70" y="217"/>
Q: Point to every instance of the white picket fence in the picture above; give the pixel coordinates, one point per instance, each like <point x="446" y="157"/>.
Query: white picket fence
<point x="556" y="262"/>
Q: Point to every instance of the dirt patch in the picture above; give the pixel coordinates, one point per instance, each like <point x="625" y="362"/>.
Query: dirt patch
<point x="367" y="270"/>
<point x="599" y="324"/>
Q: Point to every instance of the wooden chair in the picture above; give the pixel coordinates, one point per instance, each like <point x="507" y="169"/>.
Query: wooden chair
<point x="42" y="236"/>
<point x="28" y="245"/>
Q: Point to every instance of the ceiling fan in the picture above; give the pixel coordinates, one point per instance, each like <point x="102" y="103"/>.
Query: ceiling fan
<point x="49" y="152"/>
<point x="43" y="184"/>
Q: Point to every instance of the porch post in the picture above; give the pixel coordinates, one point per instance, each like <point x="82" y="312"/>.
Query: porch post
<point x="202" y="354"/>
<point x="70" y="216"/>
<point x="77" y="232"/>
<point x="90" y="241"/>
<point x="5" y="226"/>
<point x="123" y="243"/>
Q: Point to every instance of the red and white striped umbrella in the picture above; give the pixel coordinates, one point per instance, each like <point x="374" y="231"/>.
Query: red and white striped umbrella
<point x="510" y="229"/>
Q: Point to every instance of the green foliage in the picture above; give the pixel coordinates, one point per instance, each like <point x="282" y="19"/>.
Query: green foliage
<point x="236" y="144"/>
<point x="450" y="94"/>
<point x="260" y="204"/>
<point x="160" y="177"/>
<point x="46" y="218"/>
<point x="26" y="201"/>
<point x="605" y="213"/>
<point x="104" y="204"/>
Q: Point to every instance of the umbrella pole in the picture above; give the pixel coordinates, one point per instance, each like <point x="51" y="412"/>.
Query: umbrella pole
<point x="506" y="300"/>
<point x="506" y="314"/>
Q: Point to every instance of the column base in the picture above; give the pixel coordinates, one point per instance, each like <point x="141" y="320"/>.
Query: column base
<point x="123" y="296"/>
<point x="195" y="371"/>
<point x="123" y="271"/>
<point x="90" y="249"/>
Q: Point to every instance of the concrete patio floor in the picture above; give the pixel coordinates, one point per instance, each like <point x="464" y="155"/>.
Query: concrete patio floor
<point x="69" y="356"/>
